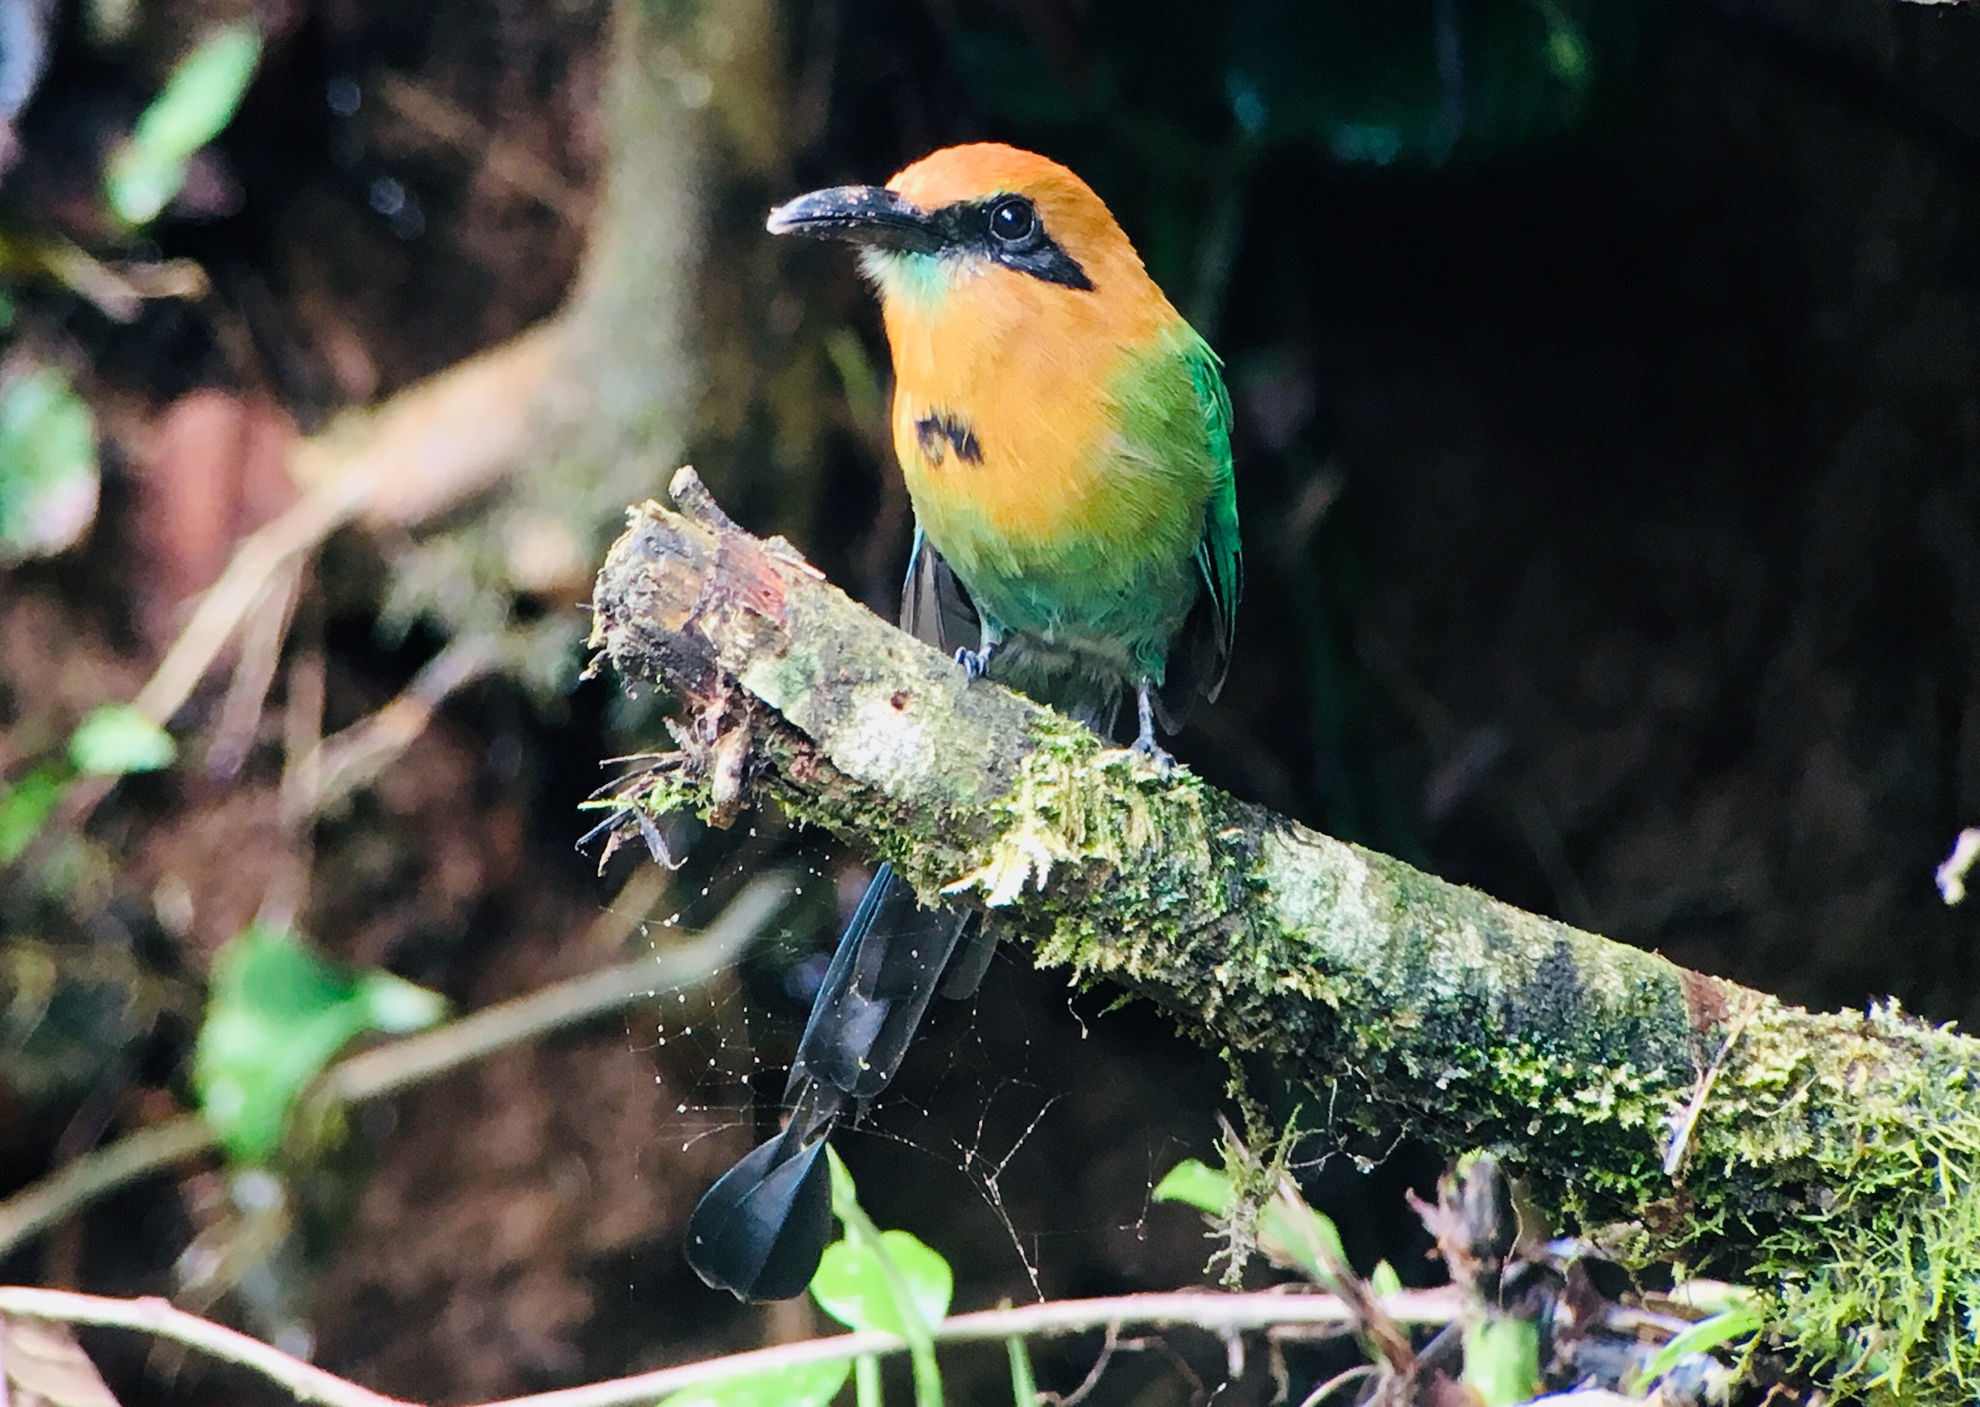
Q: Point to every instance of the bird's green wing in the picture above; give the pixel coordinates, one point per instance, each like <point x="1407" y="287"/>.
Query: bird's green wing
<point x="1218" y="555"/>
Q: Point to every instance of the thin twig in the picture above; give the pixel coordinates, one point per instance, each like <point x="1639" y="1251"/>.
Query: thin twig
<point x="506" y="160"/>
<point x="354" y="758"/>
<point x="157" y="1317"/>
<point x="254" y="671"/>
<point x="224" y="605"/>
<point x="1679" y="1147"/>
<point x="388" y="1068"/>
<point x="1209" y="1311"/>
<point x="37" y="1207"/>
<point x="1337" y="1382"/>
<point x="1093" y="1374"/>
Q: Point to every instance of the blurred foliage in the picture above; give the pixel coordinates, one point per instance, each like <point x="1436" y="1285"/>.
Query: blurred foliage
<point x="278" y="1014"/>
<point x="1366" y="82"/>
<point x="1502" y="1360"/>
<point x="1174" y="103"/>
<point x="25" y="807"/>
<point x="1737" y="1324"/>
<point x="195" y="105"/>
<point x="114" y="741"/>
<point x="72" y="1013"/>
<point x="48" y="471"/>
<point x="800" y="1385"/>
<point x="1381" y="84"/>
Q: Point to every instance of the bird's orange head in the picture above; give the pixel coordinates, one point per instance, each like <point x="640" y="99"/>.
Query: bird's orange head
<point x="1018" y="316"/>
<point x="970" y="213"/>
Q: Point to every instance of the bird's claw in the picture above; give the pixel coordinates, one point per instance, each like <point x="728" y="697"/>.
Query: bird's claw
<point x="974" y="662"/>
<point x="1155" y="755"/>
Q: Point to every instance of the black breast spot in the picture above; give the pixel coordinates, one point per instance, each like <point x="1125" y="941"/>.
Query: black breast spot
<point x="941" y="432"/>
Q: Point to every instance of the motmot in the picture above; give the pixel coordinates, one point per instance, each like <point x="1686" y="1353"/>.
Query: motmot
<point x="1065" y="437"/>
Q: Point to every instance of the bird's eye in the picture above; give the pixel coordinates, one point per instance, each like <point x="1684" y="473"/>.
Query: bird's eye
<point x="1012" y="220"/>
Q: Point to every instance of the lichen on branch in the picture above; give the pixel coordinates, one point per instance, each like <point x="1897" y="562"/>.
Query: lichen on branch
<point x="1830" y="1159"/>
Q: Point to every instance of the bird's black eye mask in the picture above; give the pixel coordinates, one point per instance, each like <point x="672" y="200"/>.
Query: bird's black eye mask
<point x="1006" y="229"/>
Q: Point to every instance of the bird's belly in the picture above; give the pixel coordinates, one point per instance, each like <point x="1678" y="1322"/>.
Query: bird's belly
<point x="1093" y="608"/>
<point x="1061" y="532"/>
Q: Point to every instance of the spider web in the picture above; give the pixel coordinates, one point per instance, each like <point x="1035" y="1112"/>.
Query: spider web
<point x="987" y="1094"/>
<point x="1023" y="1138"/>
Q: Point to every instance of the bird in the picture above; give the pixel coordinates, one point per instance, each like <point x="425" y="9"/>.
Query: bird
<point x="1065" y="437"/>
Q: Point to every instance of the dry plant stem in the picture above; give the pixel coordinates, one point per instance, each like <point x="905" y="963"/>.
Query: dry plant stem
<point x="388" y="1068"/>
<point x="260" y="656"/>
<point x="355" y="757"/>
<point x="1834" y="1158"/>
<point x="251" y="573"/>
<point x="159" y="1318"/>
<point x="37" y="1207"/>
<point x="438" y="443"/>
<point x="302" y="735"/>
<point x="507" y="161"/>
<point x="261" y="556"/>
<point x="1211" y="1312"/>
<point x="1337" y="1382"/>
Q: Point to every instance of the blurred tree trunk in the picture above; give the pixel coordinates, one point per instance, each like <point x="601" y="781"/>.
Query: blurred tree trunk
<point x="547" y="436"/>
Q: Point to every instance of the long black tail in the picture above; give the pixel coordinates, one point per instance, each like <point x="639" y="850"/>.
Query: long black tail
<point x="759" y="1231"/>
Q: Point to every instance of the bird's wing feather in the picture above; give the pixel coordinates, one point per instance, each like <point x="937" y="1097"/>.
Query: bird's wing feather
<point x="934" y="607"/>
<point x="1218" y="556"/>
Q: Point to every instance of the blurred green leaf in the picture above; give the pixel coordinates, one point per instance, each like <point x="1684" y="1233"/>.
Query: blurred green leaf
<point x="48" y="479"/>
<point x="882" y="1280"/>
<point x="1383" y="1280"/>
<point x="1289" y="1231"/>
<point x="116" y="740"/>
<point x="278" y="1013"/>
<point x="853" y="1288"/>
<point x="25" y="808"/>
<point x="1713" y="1298"/>
<point x="1502" y="1360"/>
<point x="195" y="105"/>
<point x="1195" y="1183"/>
<point x="1024" y="1383"/>
<point x="806" y="1385"/>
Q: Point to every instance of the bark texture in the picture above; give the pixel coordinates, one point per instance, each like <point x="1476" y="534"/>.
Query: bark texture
<point x="1829" y="1159"/>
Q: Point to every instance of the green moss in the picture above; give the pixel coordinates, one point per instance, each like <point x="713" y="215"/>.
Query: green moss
<point x="669" y="782"/>
<point x="1853" y="1165"/>
<point x="1834" y="1161"/>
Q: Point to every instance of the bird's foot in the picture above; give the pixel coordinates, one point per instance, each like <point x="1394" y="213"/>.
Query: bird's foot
<point x="1155" y="755"/>
<point x="975" y="663"/>
<point x="1145" y="747"/>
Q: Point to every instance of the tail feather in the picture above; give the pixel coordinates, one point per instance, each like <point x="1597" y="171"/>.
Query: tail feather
<point x="889" y="962"/>
<point x="760" y="1230"/>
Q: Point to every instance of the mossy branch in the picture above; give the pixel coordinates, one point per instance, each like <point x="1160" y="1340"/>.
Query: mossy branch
<point x="1831" y="1159"/>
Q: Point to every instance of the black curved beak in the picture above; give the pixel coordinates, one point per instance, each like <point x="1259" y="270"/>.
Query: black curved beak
<point x="858" y="215"/>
